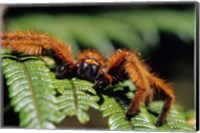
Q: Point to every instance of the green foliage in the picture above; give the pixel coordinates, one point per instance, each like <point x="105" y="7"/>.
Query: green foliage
<point x="31" y="92"/>
<point x="134" y="29"/>
<point x="76" y="97"/>
<point x="116" y="115"/>
<point x="116" y="104"/>
<point x="175" y="120"/>
<point x="115" y="111"/>
<point x="41" y="100"/>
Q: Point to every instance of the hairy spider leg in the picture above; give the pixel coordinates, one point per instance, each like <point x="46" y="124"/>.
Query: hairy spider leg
<point x="34" y="43"/>
<point x="126" y="64"/>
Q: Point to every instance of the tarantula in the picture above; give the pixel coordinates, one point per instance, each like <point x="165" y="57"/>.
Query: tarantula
<point x="90" y="65"/>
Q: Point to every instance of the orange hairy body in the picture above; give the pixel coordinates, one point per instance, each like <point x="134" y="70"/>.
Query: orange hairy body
<point x="90" y="65"/>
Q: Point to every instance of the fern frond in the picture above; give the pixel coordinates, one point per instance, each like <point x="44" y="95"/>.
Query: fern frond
<point x="115" y="106"/>
<point x="115" y="111"/>
<point x="175" y="120"/>
<point x="76" y="98"/>
<point x="143" y="121"/>
<point x="31" y="91"/>
<point x="116" y="121"/>
<point x="136" y="30"/>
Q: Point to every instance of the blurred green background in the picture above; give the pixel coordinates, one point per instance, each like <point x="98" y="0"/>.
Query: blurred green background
<point x="163" y="34"/>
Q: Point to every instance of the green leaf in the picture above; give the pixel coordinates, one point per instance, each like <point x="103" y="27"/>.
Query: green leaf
<point x="76" y="98"/>
<point x="175" y="119"/>
<point x="143" y="121"/>
<point x="116" y="121"/>
<point x="31" y="91"/>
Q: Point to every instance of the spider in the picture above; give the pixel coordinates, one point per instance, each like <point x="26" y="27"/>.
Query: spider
<point x="90" y="65"/>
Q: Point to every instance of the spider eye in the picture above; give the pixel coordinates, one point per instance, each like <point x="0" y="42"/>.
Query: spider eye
<point x="61" y="70"/>
<point x="88" y="71"/>
<point x="84" y="67"/>
<point x="94" y="70"/>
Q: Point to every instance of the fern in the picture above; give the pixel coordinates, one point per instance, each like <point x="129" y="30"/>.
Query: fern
<point x="175" y="120"/>
<point x="41" y="100"/>
<point x="116" y="119"/>
<point x="116" y="113"/>
<point x="136" y="30"/>
<point x="76" y="97"/>
<point x="31" y="91"/>
<point x="116" y="104"/>
<point x="143" y="121"/>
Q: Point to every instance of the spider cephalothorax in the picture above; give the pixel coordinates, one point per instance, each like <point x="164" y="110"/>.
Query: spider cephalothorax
<point x="89" y="65"/>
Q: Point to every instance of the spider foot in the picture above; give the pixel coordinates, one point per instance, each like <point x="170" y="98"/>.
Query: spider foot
<point x="159" y="123"/>
<point x="131" y="113"/>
